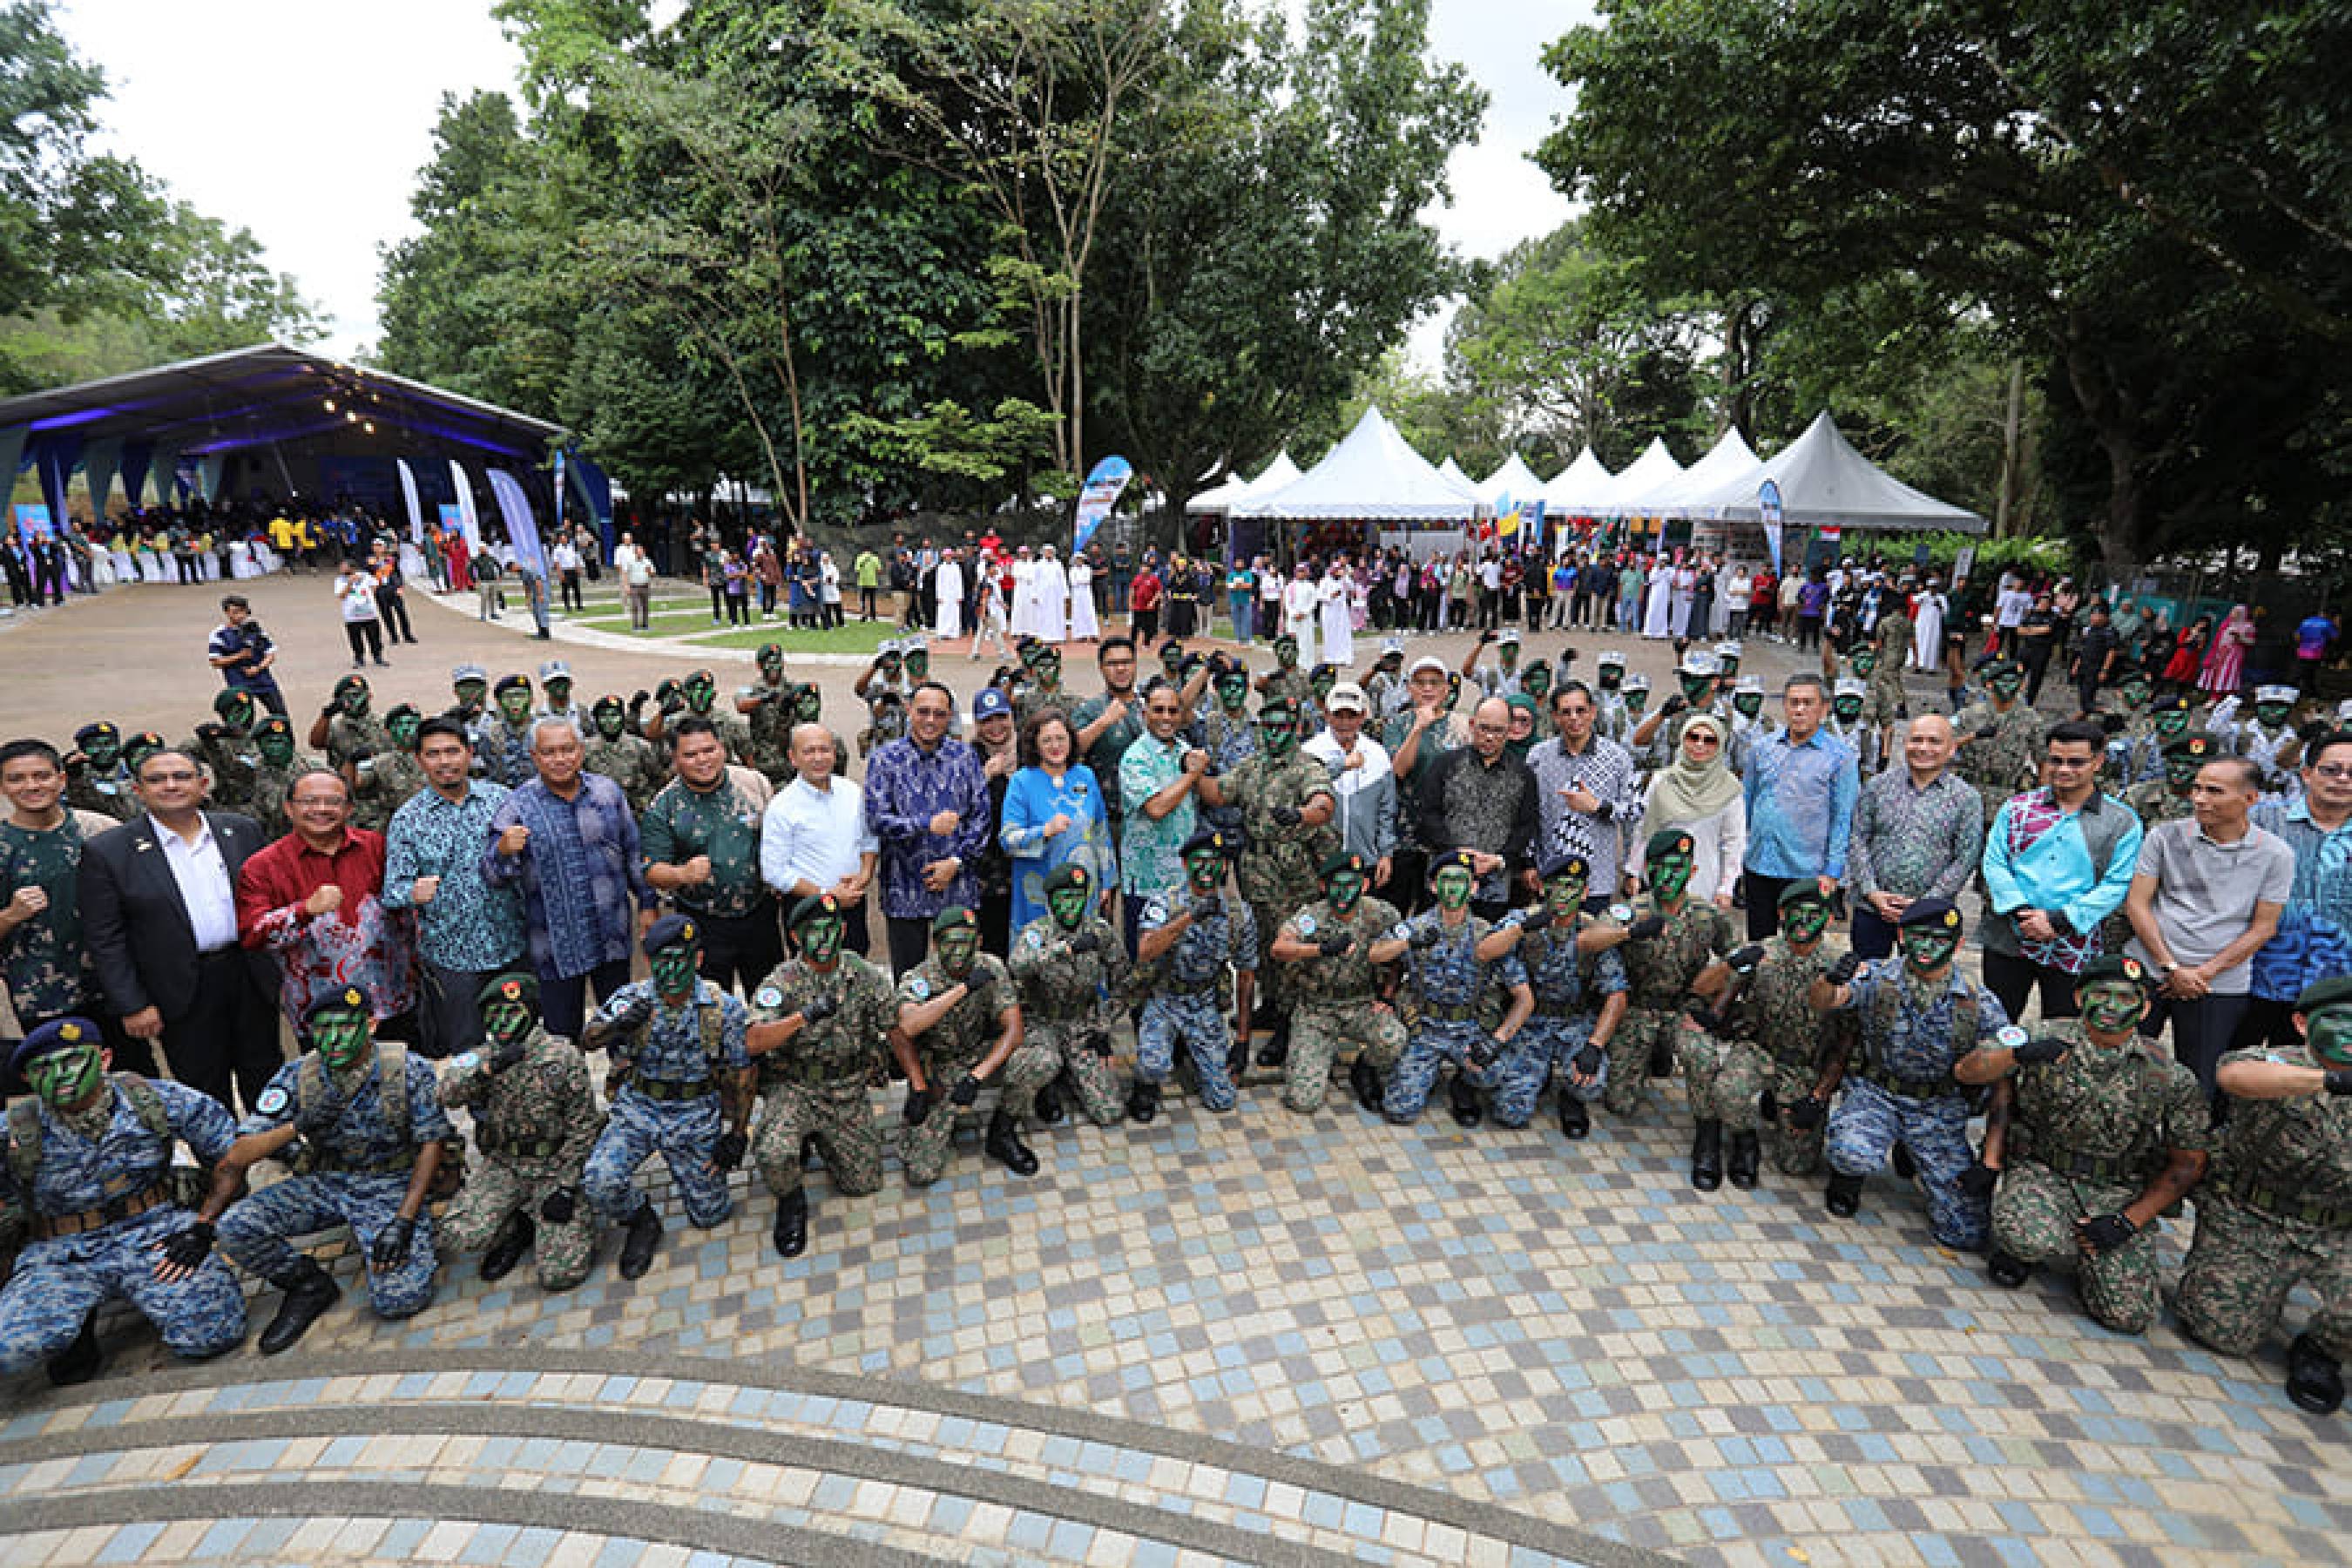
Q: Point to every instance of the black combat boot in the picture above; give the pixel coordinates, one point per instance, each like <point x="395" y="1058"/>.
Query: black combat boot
<point x="1707" y="1156"/>
<point x="791" y="1223"/>
<point x="507" y="1248"/>
<point x="1003" y="1144"/>
<point x="1277" y="1049"/>
<point x="1575" y="1115"/>
<point x="1366" y="1082"/>
<point x="1049" y="1103"/>
<point x="1142" y="1103"/>
<point x="1746" y="1158"/>
<point x="80" y="1360"/>
<point x="1905" y="1167"/>
<point x="2008" y="1270"/>
<point x="1462" y="1098"/>
<point x="644" y="1235"/>
<point x="2314" y="1380"/>
<point x="310" y="1291"/>
<point x="1844" y="1195"/>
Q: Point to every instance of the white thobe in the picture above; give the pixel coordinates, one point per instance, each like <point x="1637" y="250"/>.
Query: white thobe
<point x="1052" y="594"/>
<point x="1338" y="623"/>
<point x="948" y="584"/>
<point x="1083" y="621"/>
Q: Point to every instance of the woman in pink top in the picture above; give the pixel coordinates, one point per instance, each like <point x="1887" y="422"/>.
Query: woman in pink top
<point x="2225" y="661"/>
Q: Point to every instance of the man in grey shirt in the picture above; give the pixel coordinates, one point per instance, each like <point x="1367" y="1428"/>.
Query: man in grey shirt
<point x="2205" y="898"/>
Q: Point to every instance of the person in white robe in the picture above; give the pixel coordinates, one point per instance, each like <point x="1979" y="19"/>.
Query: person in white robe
<point x="1927" y="628"/>
<point x="947" y="586"/>
<point x="1338" y="598"/>
<point x="1658" y="618"/>
<point x="1685" y="592"/>
<point x="1025" y="594"/>
<point x="1053" y="599"/>
<point x="1084" y="627"/>
<point x="1300" y="600"/>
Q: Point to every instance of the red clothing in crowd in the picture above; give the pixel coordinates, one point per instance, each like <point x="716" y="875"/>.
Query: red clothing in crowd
<point x="360" y="944"/>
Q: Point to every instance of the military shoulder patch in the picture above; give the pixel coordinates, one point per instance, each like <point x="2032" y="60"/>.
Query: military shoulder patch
<point x="1401" y="932"/>
<point x="1305" y="925"/>
<point x="465" y="1061"/>
<point x="273" y="1102"/>
<point x="768" y="997"/>
<point x="919" y="989"/>
<point x="2009" y="1038"/>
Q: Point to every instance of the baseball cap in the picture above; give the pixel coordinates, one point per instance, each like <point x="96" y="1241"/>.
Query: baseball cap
<point x="1349" y="695"/>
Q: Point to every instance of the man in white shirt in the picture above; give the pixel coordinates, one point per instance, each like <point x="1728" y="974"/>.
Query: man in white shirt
<point x="636" y="572"/>
<point x="1300" y="600"/>
<point x="1363" y="780"/>
<point x="813" y="836"/>
<point x="2009" y="614"/>
<point x="565" y="558"/>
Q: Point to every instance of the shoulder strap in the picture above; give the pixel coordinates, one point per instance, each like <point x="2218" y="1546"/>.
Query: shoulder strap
<point x="25" y="1144"/>
<point x="146" y="1104"/>
<point x="392" y="1087"/>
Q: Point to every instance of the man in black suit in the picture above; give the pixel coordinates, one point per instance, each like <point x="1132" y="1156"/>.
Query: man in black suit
<point x="159" y="917"/>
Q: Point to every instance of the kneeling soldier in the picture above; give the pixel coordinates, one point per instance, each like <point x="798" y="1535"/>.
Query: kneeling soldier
<point x="1072" y="972"/>
<point x="818" y="1024"/>
<point x="1571" y="985"/>
<point x="91" y="1177"/>
<point x="677" y="1053"/>
<point x="535" y="1120"/>
<point x="1775" y="1005"/>
<point x="1453" y="957"/>
<point x="1331" y="943"/>
<point x="1187" y="939"/>
<point x="958" y="1030"/>
<point x="373" y="1138"/>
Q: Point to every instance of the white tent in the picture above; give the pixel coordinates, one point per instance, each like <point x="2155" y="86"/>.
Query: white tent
<point x="1514" y="482"/>
<point x="1652" y="469"/>
<point x="1825" y="483"/>
<point x="1579" y="487"/>
<point x="1730" y="462"/>
<point x="1373" y="472"/>
<point x="1237" y="489"/>
<point x="1451" y="472"/>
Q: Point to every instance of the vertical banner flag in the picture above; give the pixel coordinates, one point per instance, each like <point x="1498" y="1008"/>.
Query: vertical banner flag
<point x="1103" y="486"/>
<point x="408" y="493"/>
<point x="523" y="529"/>
<point x="466" y="514"/>
<point x="1535" y="527"/>
<point x="1767" y="502"/>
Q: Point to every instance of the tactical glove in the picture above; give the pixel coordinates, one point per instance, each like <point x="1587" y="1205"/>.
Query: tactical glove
<point x="1990" y="732"/>
<point x="1485" y="1053"/>
<point x="1647" y="928"/>
<point x="1085" y="942"/>
<point x="1204" y="908"/>
<point x="1672" y="705"/>
<point x="818" y="1009"/>
<point x="1333" y="943"/>
<point x="728" y="1153"/>
<point x="508" y="1056"/>
<point x="2339" y="1080"/>
<point x="966" y="1090"/>
<point x="1428" y="936"/>
<point x="190" y="1247"/>
<point x="558" y="1207"/>
<point x="2105" y="1233"/>
<point x="1842" y="971"/>
<point x="1285" y="815"/>
<point x="2045" y="1048"/>
<point x="392" y="1244"/>
<point x="1806" y="1114"/>
<point x="919" y="1106"/>
<point x="1744" y="960"/>
<point x="1588" y="1061"/>
<point x="1538" y="919"/>
<point x="1979" y="1179"/>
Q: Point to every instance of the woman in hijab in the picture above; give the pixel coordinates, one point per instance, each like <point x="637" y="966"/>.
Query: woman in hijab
<point x="2225" y="661"/>
<point x="1700" y="796"/>
<point x="1526" y="718"/>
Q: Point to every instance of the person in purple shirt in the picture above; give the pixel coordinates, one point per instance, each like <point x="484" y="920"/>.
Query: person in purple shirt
<point x="927" y="801"/>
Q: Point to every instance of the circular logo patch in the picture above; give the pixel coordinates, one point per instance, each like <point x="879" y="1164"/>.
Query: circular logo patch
<point x="768" y="997"/>
<point x="273" y="1102"/>
<point x="464" y="1062"/>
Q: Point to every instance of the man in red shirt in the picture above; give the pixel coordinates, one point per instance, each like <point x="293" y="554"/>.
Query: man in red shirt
<point x="1143" y="606"/>
<point x="314" y="899"/>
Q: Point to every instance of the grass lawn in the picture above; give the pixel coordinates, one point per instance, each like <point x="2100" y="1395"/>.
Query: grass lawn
<point x="856" y="636"/>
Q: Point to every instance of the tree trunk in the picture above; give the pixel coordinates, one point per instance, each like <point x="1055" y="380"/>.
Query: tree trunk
<point x="2002" y="522"/>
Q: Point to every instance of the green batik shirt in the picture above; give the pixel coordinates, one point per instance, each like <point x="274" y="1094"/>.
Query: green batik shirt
<point x="961" y="1038"/>
<point x="840" y="1054"/>
<point x="1659" y="972"/>
<point x="47" y="970"/>
<point x="684" y="822"/>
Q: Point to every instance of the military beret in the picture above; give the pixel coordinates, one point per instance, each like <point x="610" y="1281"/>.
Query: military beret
<point x="2001" y="667"/>
<point x="609" y="701"/>
<point x="2196" y="744"/>
<point x="1233" y="672"/>
<point x="1341" y="861"/>
<point x="1575" y="866"/>
<point x="1937" y="913"/>
<point x="1802" y="890"/>
<point x="1451" y="860"/>
<point x="1281" y="637"/>
<point x="466" y="672"/>
<point x="275" y="725"/>
<point x="514" y="986"/>
<point x="1172" y="648"/>
<point x="1669" y="841"/>
<point x="815" y="907"/>
<point x="98" y="731"/>
<point x="670" y="930"/>
<point x="2173" y="704"/>
<point x="700" y="677"/>
<point x="56" y="1035"/>
<point x="2334" y="992"/>
<point x="1069" y="875"/>
<point x="1208" y="838"/>
<point x="1279" y="710"/>
<point x="1612" y="659"/>
<point x="348" y="683"/>
<point x="146" y="743"/>
<point x="224" y="701"/>
<point x="339" y="1003"/>
<point x="955" y="917"/>
<point x="768" y="650"/>
<point x="666" y="688"/>
<point x="398" y="709"/>
<point x="506" y="683"/>
<point x="1535" y="664"/>
<point x="2113" y="966"/>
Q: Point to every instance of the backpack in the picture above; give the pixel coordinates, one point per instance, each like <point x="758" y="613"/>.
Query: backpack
<point x="392" y="1093"/>
<point x="25" y="1134"/>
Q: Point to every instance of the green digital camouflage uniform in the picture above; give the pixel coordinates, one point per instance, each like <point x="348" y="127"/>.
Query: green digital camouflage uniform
<point x="271" y="786"/>
<point x="816" y="1086"/>
<point x="958" y="1043"/>
<point x="1658" y="975"/>
<point x="107" y="792"/>
<point x="1281" y="866"/>
<point x="1069" y="1003"/>
<point x="2086" y="1134"/>
<point x="2005" y="764"/>
<point x="630" y="762"/>
<point x="388" y="780"/>
<point x="1335" y="1005"/>
<point x="1791" y="1035"/>
<point x="534" y="1124"/>
<point x="229" y="756"/>
<point x="2155" y="802"/>
<point x="1292" y="683"/>
<point x="2275" y="1212"/>
<point x="770" y="729"/>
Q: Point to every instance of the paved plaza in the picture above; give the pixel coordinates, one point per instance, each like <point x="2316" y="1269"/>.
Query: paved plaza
<point x="1258" y="1337"/>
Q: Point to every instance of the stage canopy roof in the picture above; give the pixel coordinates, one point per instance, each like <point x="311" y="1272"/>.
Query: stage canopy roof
<point x="1825" y="483"/>
<point x="1654" y="468"/>
<point x="1730" y="461"/>
<point x="1579" y="488"/>
<point x="1237" y="489"/>
<point x="1514" y="482"/>
<point x="1373" y="473"/>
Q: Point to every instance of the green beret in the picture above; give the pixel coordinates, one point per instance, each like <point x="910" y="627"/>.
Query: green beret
<point x="1341" y="861"/>
<point x="2111" y="966"/>
<point x="1069" y="875"/>
<point x="1802" y="890"/>
<point x="815" y="907"/>
<point x="2195" y="743"/>
<point x="1279" y="710"/>
<point x="1669" y="841"/>
<point x="2334" y="991"/>
<point x="514" y="986"/>
<point x="955" y="917"/>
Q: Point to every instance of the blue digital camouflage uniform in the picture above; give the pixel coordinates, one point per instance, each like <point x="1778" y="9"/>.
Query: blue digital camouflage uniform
<point x="360" y="1174"/>
<point x="1446" y="982"/>
<point x="59" y="1279"/>
<point x="1185" y="999"/>
<point x="670" y="1102"/>
<point x="1569" y="990"/>
<point x="1898" y="1089"/>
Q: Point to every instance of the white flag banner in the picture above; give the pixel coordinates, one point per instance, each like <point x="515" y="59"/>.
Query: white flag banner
<point x="466" y="512"/>
<point x="523" y="529"/>
<point x="408" y="493"/>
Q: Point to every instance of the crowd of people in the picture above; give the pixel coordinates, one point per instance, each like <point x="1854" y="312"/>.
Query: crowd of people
<point x="1485" y="882"/>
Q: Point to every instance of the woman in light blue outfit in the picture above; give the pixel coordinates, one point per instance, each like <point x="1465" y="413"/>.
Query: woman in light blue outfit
<point x="1054" y="816"/>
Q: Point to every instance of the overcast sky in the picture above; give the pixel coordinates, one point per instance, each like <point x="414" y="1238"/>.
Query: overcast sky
<point x="306" y="120"/>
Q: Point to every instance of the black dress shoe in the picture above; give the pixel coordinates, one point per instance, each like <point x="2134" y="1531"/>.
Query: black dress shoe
<point x="310" y="1291"/>
<point x="791" y="1223"/>
<point x="1364" y="1079"/>
<point x="2008" y="1272"/>
<point x="644" y="1235"/>
<point x="1707" y="1156"/>
<point x="2314" y="1380"/>
<point x="1745" y="1162"/>
<point x="1843" y="1196"/>
<point x="507" y="1248"/>
<point x="80" y="1360"/>
<point x="1003" y="1144"/>
<point x="1142" y="1103"/>
<point x="1575" y="1116"/>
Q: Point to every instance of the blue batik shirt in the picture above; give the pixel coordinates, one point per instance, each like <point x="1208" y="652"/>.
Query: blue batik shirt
<point x="471" y="925"/>
<point x="905" y="787"/>
<point x="587" y="850"/>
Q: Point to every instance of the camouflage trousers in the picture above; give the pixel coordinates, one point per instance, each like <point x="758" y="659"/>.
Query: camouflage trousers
<point x="1196" y="1020"/>
<point x="1320" y="1031"/>
<point x="1726" y="1080"/>
<point x="1794" y="1153"/>
<point x="2241" y="1265"/>
<point x="684" y="1131"/>
<point x="57" y="1282"/>
<point x="839" y="1117"/>
<point x="255" y="1229"/>
<point x="1276" y="992"/>
<point x="496" y="1188"/>
<point x="1557" y="1040"/>
<point x="2033" y="1214"/>
<point x="1630" y="1049"/>
<point x="1867" y="1122"/>
<point x="925" y="1149"/>
<point x="1432" y="1046"/>
<point x="1094" y="1076"/>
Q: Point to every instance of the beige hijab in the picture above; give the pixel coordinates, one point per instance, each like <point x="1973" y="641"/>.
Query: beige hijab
<point x="1689" y="791"/>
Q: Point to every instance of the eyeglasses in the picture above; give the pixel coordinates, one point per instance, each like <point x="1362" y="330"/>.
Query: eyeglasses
<point x="1701" y="740"/>
<point x="179" y="776"/>
<point x="2072" y="764"/>
<point x="317" y="802"/>
<point x="2335" y="773"/>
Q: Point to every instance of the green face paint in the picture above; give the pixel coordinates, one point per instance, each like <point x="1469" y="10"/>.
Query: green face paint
<point x="1279" y="738"/>
<point x="699" y="695"/>
<point x="64" y="1078"/>
<point x="1727" y="668"/>
<point x="355" y="701"/>
<point x="609" y="722"/>
<point x="1749" y="704"/>
<point x="239" y="715"/>
<point x="1804" y="923"/>
<point x="919" y="664"/>
<point x="1321" y="683"/>
<point x="673" y="968"/>
<point x="514" y="706"/>
<point x="1928" y="951"/>
<point x="2111" y="1009"/>
<point x="1232" y="693"/>
<point x="2136" y="691"/>
<point x="809" y="705"/>
<point x="771" y="660"/>
<point x="342" y="1039"/>
<point x="2272" y="715"/>
<point x="1847" y="709"/>
<point x="2007" y="687"/>
<point x="2168" y="725"/>
<point x="559" y="692"/>
<point x="103" y="751"/>
<point x="471" y="693"/>
<point x="1285" y="652"/>
<point x="1698" y="689"/>
<point x="2329" y="1030"/>
<point x="2181" y="772"/>
<point x="1565" y="894"/>
<point x="1537" y="682"/>
<point x="1668" y="875"/>
<point x="403" y="728"/>
<point x="1344" y="888"/>
<point x="276" y="748"/>
<point x="957" y="950"/>
<point x="1205" y="870"/>
<point x="506" y="1022"/>
<point x="1611" y="676"/>
<point x="1069" y="906"/>
<point x="1452" y="886"/>
<point x="821" y="940"/>
<point x="1635" y="701"/>
<point x="1864" y="662"/>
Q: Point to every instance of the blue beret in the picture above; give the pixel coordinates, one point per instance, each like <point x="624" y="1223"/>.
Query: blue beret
<point x="341" y="999"/>
<point x="56" y="1035"/>
<point x="669" y="932"/>
<point x="1937" y="912"/>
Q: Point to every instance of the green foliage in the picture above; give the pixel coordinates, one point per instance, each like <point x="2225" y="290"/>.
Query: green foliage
<point x="949" y="439"/>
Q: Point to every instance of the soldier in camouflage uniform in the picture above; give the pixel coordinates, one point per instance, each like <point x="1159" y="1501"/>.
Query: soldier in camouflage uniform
<point x="1287" y="806"/>
<point x="1072" y="972"/>
<point x="382" y="782"/>
<point x="1285" y="679"/>
<point x="1331" y="944"/>
<point x="884" y="687"/>
<point x="535" y="1120"/>
<point x="1774" y="1007"/>
<point x="2158" y="801"/>
<point x="958" y="1030"/>
<point x="767" y="709"/>
<point x="1728" y="1076"/>
<point x="808" y="707"/>
<point x="225" y="746"/>
<point x="1609" y="716"/>
<point x="1632" y="702"/>
<point x="1384" y="690"/>
<point x="1452" y="958"/>
<point x="1847" y="700"/>
<point x="2268" y="739"/>
<point x="2001" y="739"/>
<point x="503" y="736"/>
<point x="1750" y="728"/>
<point x="818" y="1024"/>
<point x="1043" y="664"/>
<point x="629" y="761"/>
<point x="1879" y="674"/>
<point x="2278" y="1211"/>
<point x="555" y="685"/>
<point x="1670" y="940"/>
<point x="1229" y="736"/>
<point x="2102" y="1136"/>
<point x="278" y="766"/>
<point x="700" y="691"/>
<point x="1661" y="734"/>
<point x="347" y="725"/>
<point x="1570" y="987"/>
<point x="89" y="1178"/>
<point x="96" y="778"/>
<point x="2123" y="713"/>
<point x="1188" y="941"/>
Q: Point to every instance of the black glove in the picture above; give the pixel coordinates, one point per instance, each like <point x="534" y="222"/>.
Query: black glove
<point x="1428" y="936"/>
<point x="1285" y="815"/>
<point x="1990" y="732"/>
<point x="1588" y="1061"/>
<point x="919" y="1106"/>
<point x="508" y="1055"/>
<point x="1489" y="636"/>
<point x="1538" y="919"/>
<point x="1979" y="1179"/>
<point x="558" y="1207"/>
<point x="2315" y="731"/>
<point x="1806" y="1114"/>
<point x="1705" y="1016"/>
<point x="966" y="1090"/>
<point x="333" y="706"/>
<point x="209" y="733"/>
<point x="1485" y="1053"/>
<point x="2045" y="1048"/>
<point x="2107" y="1232"/>
<point x="360" y="754"/>
<point x="1567" y="655"/>
<point x="818" y="1009"/>
<point x="639" y="699"/>
<point x="1085" y="942"/>
<point x="2113" y="723"/>
<point x="1743" y="961"/>
<point x="1672" y="705"/>
<point x="2339" y="1080"/>
<point x="1203" y="909"/>
<point x="190" y="1247"/>
<point x="1333" y="943"/>
<point x="392" y="1244"/>
<point x="728" y="1152"/>
<point x="1647" y="928"/>
<point x="1099" y="1042"/>
<point x="1844" y="969"/>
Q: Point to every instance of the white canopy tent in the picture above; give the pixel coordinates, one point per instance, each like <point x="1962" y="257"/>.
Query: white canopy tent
<point x="1730" y="462"/>
<point x="1514" y="482"/>
<point x="1373" y="473"/>
<point x="1451" y="472"/>
<point x="1237" y="489"/>
<point x="1652" y="469"/>
<point x="1579" y="488"/>
<point x="1825" y="483"/>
